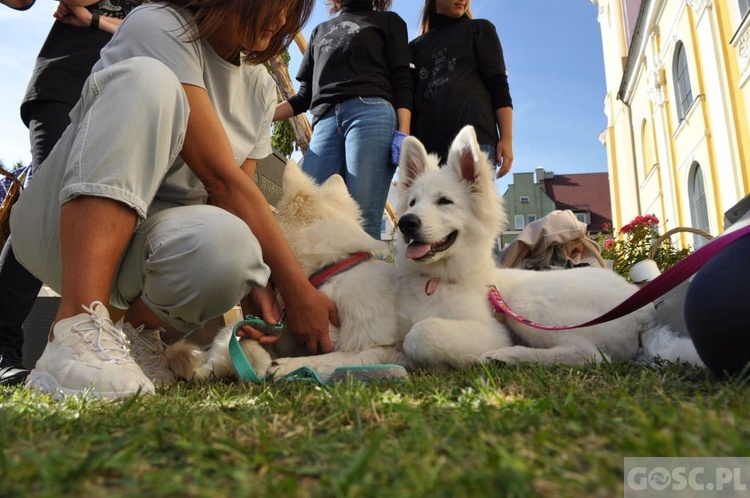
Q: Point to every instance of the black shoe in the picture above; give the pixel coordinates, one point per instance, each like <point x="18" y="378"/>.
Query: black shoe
<point x="11" y="369"/>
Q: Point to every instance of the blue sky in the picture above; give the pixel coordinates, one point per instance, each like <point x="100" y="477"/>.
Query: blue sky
<point x="552" y="51"/>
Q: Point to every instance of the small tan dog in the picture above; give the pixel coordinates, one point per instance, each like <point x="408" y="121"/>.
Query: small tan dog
<point x="322" y="226"/>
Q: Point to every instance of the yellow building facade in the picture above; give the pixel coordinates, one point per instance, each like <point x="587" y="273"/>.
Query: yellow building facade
<point x="678" y="109"/>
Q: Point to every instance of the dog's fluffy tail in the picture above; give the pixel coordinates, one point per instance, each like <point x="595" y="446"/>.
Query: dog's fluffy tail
<point x="665" y="343"/>
<point x="184" y="359"/>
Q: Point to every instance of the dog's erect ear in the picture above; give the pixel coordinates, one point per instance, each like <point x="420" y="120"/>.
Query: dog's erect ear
<point x="336" y="194"/>
<point x="298" y="189"/>
<point x="335" y="185"/>
<point x="335" y="190"/>
<point x="412" y="163"/>
<point x="294" y="178"/>
<point x="464" y="155"/>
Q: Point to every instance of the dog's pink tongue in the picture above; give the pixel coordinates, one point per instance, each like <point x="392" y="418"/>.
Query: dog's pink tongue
<point x="416" y="250"/>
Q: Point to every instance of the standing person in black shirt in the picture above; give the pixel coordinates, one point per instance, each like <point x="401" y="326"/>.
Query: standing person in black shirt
<point x="63" y="64"/>
<point x="80" y="30"/>
<point x="11" y="370"/>
<point x="355" y="79"/>
<point x="460" y="79"/>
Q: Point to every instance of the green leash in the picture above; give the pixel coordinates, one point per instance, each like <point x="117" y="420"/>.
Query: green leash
<point x="245" y="370"/>
<point x="247" y="373"/>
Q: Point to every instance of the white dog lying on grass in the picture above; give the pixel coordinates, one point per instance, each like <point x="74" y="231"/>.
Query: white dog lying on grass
<point x="450" y="218"/>
<point x="322" y="226"/>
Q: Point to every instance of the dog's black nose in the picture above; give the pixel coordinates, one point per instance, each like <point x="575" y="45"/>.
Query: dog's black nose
<point x="409" y="224"/>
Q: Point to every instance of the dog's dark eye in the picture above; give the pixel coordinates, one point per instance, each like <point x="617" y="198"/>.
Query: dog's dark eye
<point x="412" y="202"/>
<point x="443" y="201"/>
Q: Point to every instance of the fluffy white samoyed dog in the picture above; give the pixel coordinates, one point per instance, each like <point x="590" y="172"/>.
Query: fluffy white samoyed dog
<point x="450" y="217"/>
<point x="323" y="227"/>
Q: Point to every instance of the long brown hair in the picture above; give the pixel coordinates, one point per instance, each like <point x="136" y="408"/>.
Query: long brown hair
<point x="379" y="5"/>
<point x="253" y="15"/>
<point x="428" y="13"/>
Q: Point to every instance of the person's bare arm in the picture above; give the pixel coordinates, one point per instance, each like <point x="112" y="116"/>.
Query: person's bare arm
<point x="80" y="16"/>
<point x="79" y="3"/>
<point x="404" y="120"/>
<point x="504" y="117"/>
<point x="283" y="111"/>
<point x="208" y="154"/>
<point x="249" y="167"/>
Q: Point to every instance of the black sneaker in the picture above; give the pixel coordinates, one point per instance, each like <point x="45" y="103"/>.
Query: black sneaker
<point x="12" y="371"/>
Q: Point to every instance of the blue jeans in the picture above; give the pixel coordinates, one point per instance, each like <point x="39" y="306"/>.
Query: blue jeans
<point x="354" y="140"/>
<point x="491" y="152"/>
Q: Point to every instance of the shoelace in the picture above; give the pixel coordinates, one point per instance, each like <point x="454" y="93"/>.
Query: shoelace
<point x="109" y="342"/>
<point x="146" y="347"/>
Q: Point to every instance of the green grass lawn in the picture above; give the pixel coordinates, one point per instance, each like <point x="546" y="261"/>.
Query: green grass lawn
<point x="488" y="431"/>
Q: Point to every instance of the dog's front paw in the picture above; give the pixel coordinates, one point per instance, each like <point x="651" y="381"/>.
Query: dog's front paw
<point x="503" y="356"/>
<point x="281" y="367"/>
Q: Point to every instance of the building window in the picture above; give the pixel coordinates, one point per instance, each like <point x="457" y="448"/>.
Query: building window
<point x="647" y="146"/>
<point x="584" y="217"/>
<point x="744" y="7"/>
<point x="524" y="199"/>
<point x="698" y="204"/>
<point x="531" y="218"/>
<point x="681" y="75"/>
<point x="519" y="222"/>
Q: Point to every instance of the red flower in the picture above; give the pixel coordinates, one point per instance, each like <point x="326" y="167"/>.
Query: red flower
<point x="653" y="219"/>
<point x="646" y="220"/>
<point x="608" y="243"/>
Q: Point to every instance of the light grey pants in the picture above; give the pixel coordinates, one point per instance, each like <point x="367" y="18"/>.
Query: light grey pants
<point x="189" y="263"/>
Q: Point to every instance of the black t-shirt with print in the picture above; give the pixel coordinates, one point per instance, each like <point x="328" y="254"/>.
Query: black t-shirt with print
<point x="67" y="56"/>
<point x="459" y="79"/>
<point x="359" y="53"/>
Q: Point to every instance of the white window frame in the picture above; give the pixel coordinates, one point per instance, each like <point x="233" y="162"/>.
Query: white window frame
<point x="698" y="204"/>
<point x="583" y="217"/>
<point x="682" y="89"/>
<point x="744" y="7"/>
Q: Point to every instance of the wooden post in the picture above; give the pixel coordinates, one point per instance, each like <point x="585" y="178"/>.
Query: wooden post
<point x="300" y="124"/>
<point x="280" y="74"/>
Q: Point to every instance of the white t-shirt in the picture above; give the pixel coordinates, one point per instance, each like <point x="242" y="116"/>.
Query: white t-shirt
<point x="244" y="96"/>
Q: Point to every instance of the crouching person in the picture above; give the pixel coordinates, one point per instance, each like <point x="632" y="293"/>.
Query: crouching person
<point x="175" y="113"/>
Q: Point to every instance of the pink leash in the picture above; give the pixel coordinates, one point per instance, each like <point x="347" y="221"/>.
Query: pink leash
<point x="645" y="295"/>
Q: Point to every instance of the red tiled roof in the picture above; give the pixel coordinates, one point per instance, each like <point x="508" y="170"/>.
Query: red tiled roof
<point x="584" y="191"/>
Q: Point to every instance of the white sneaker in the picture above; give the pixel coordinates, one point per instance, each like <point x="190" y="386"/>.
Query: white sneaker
<point x="89" y="355"/>
<point x="147" y="350"/>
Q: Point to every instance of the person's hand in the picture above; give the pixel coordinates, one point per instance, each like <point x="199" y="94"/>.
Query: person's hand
<point x="398" y="140"/>
<point x="261" y="302"/>
<point x="73" y="15"/>
<point x="309" y="313"/>
<point x="504" y="157"/>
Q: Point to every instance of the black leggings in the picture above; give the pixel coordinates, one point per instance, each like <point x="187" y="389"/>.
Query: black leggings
<point x="18" y="287"/>
<point x="717" y="310"/>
